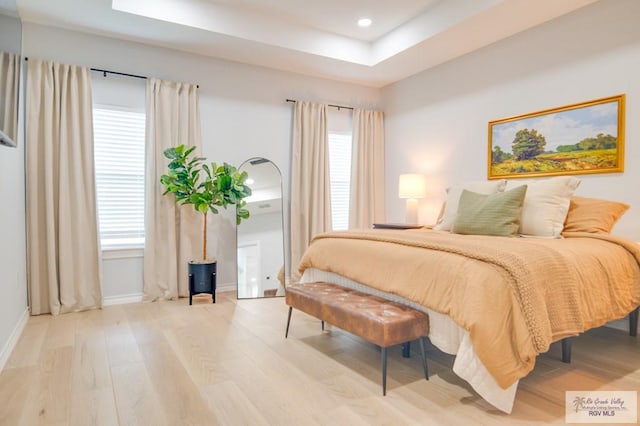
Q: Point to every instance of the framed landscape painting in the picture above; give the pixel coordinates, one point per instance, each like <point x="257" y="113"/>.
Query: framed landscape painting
<point x="576" y="139"/>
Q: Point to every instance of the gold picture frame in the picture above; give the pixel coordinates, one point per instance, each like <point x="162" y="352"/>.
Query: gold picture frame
<point x="581" y="138"/>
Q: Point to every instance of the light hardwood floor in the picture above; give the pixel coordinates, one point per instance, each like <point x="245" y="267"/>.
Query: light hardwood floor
<point x="169" y="363"/>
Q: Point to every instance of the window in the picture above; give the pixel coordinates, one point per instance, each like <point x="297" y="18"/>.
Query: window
<point x="340" y="174"/>
<point x="119" y="162"/>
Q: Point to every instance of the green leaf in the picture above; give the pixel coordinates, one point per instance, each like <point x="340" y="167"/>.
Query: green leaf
<point x="171" y="153"/>
<point x="224" y="182"/>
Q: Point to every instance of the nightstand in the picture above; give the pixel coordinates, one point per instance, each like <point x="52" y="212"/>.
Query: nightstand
<point x="396" y="226"/>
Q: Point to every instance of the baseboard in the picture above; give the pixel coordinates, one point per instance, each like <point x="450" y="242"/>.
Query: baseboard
<point x="220" y="288"/>
<point x="122" y="299"/>
<point x="13" y="339"/>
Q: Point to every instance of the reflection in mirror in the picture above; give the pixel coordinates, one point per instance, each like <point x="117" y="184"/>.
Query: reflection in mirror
<point x="9" y="86"/>
<point x="261" y="237"/>
<point x="10" y="43"/>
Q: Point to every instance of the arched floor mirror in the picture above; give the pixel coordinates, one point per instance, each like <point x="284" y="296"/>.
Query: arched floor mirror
<point x="260" y="239"/>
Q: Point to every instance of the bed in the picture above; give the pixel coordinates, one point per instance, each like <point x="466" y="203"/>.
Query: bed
<point x="494" y="302"/>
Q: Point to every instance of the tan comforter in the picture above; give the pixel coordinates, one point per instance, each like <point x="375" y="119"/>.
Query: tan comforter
<point x="513" y="295"/>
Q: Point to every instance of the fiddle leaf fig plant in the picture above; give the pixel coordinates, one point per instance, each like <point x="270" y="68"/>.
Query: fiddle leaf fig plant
<point x="206" y="187"/>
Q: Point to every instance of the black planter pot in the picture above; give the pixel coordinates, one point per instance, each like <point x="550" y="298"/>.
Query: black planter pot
<point x="202" y="278"/>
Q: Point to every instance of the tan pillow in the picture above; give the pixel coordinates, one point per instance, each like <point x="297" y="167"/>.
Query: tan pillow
<point x="593" y="215"/>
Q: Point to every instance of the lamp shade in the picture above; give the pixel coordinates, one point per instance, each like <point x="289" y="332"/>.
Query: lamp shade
<point x="412" y="186"/>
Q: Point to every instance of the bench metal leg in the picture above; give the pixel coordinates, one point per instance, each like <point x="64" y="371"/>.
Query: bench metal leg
<point x="286" y="333"/>
<point x="406" y="349"/>
<point x="424" y="358"/>
<point x="566" y="350"/>
<point x="384" y="371"/>
<point x="633" y="322"/>
<point x="322" y="323"/>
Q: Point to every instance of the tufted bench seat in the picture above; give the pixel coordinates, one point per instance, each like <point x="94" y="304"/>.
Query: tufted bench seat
<point x="374" y="319"/>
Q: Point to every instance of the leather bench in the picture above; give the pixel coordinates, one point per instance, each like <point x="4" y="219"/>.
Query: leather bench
<point x="374" y="319"/>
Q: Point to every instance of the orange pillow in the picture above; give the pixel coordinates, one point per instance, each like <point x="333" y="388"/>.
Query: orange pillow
<point x="593" y="215"/>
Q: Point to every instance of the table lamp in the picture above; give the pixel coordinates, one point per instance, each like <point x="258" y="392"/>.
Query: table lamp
<point x="412" y="186"/>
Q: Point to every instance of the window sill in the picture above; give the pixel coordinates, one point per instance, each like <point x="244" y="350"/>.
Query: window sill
<point x="122" y="252"/>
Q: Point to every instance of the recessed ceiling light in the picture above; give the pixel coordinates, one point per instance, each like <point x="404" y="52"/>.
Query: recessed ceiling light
<point x="364" y="22"/>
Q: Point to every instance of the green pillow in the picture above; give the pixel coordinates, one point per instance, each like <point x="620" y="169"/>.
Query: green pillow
<point x="494" y="214"/>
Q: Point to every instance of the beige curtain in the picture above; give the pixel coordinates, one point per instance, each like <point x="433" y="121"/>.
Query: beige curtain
<point x="9" y="84"/>
<point x="62" y="225"/>
<point x="172" y="232"/>
<point x="367" y="169"/>
<point x="310" y="184"/>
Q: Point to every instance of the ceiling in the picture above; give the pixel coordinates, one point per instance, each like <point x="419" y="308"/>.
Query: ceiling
<point x="318" y="38"/>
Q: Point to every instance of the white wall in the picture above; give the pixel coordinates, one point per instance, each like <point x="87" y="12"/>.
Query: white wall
<point x="243" y="108"/>
<point x="10" y="34"/>
<point x="436" y="121"/>
<point x="13" y="288"/>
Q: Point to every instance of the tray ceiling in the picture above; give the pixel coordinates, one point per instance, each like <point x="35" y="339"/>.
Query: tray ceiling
<point x="318" y="38"/>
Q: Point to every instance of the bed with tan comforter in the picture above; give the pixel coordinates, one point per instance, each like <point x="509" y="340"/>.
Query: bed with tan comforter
<point x="513" y="296"/>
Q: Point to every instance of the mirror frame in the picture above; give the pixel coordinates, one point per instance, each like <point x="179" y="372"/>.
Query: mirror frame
<point x="284" y="257"/>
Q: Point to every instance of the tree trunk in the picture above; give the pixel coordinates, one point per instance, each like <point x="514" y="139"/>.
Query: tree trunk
<point x="204" y="236"/>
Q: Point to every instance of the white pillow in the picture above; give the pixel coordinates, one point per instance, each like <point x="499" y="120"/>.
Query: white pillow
<point x="546" y="205"/>
<point x="453" y="198"/>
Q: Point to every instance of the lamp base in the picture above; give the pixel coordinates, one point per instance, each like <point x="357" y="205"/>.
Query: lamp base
<point x="412" y="210"/>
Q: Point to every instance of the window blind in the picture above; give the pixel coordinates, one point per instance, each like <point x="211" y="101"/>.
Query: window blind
<point x="340" y="177"/>
<point x="119" y="166"/>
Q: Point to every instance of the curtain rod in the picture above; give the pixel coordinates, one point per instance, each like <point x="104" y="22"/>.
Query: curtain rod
<point x="334" y="106"/>
<point x="105" y="72"/>
<point x="124" y="74"/>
